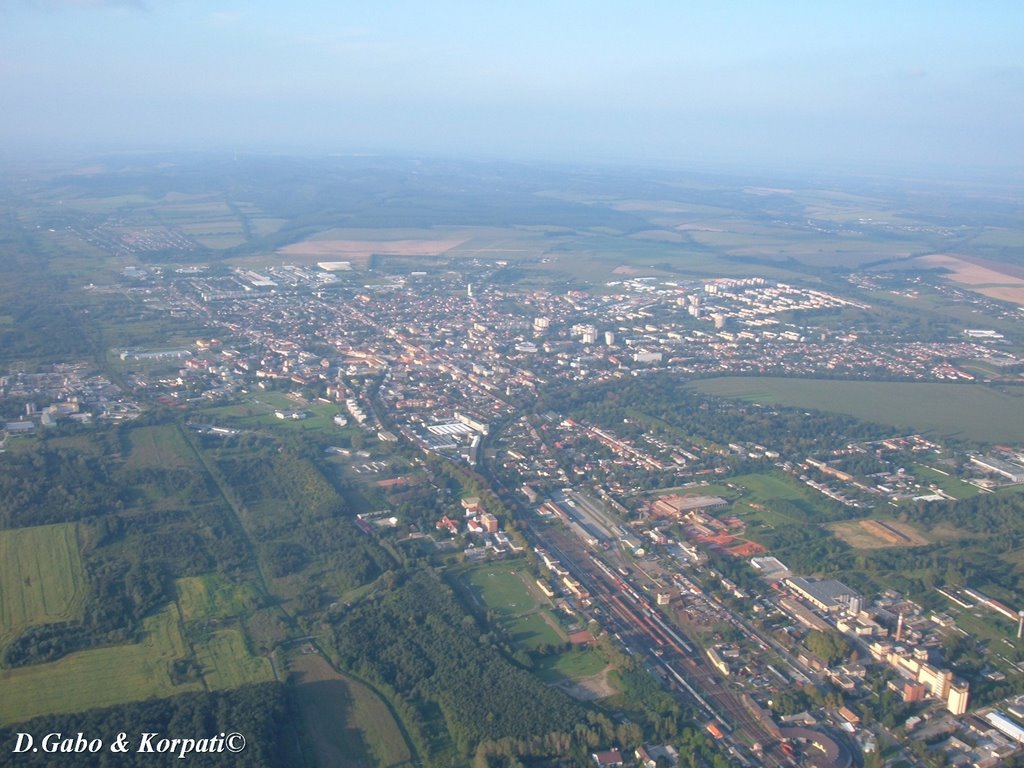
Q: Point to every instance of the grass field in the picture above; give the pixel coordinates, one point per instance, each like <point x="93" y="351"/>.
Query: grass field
<point x="532" y="631"/>
<point x="766" y="487"/>
<point x="227" y="663"/>
<point x="571" y="665"/>
<point x="258" y="411"/>
<point x="346" y="723"/>
<point x="211" y="597"/>
<point x="98" y="678"/>
<point x="161" y="447"/>
<point x="502" y="588"/>
<point x="41" y="577"/>
<point x="955" y="487"/>
<point x="972" y="412"/>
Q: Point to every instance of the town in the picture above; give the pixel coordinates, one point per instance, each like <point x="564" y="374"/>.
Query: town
<point x="629" y="521"/>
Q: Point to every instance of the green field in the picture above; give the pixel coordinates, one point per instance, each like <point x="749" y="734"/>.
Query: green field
<point x="41" y="578"/>
<point x="160" y="447"/>
<point x="258" y="411"/>
<point x="346" y="723"/>
<point x="572" y="665"/>
<point x="211" y="597"/>
<point x="764" y="488"/>
<point x="227" y="663"/>
<point x="98" y="678"/>
<point x="955" y="487"/>
<point x="502" y="589"/>
<point x="972" y="412"/>
<point x="531" y="632"/>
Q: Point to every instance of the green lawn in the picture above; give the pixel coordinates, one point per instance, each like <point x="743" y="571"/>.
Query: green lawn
<point x="974" y="412"/>
<point x="763" y="489"/>
<point x="532" y="631"/>
<point x="41" y="577"/>
<point x="258" y="411"/>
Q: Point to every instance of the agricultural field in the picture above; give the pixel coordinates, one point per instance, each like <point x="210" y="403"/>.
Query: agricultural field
<point x="41" y="578"/>
<point x="210" y="596"/>
<point x="99" y="678"/>
<point x="346" y="723"/>
<point x="970" y="412"/>
<point x="227" y="663"/>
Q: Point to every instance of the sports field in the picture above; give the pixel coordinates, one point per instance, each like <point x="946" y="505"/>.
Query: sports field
<point x="41" y="577"/>
<point x="502" y="589"/>
<point x="346" y="723"/>
<point x="973" y="412"/>
<point x="98" y="678"/>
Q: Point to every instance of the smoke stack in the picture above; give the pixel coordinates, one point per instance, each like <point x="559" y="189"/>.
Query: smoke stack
<point x="899" y="629"/>
<point x="1020" y="624"/>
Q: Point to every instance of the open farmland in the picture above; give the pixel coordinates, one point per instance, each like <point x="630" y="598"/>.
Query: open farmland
<point x="1000" y="281"/>
<point x="972" y="412"/>
<point x="98" y="678"/>
<point x="341" y="245"/>
<point x="346" y="723"/>
<point x="41" y="577"/>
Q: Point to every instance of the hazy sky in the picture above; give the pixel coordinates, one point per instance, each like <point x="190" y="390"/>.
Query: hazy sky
<point x="776" y="82"/>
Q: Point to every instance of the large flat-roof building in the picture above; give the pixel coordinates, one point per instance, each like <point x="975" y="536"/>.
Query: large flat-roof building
<point x="1012" y="472"/>
<point x="827" y="595"/>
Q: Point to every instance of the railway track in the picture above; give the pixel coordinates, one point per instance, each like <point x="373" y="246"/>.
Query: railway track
<point x="667" y="649"/>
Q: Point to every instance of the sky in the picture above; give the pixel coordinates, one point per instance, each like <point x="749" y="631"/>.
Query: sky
<point x="777" y="83"/>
